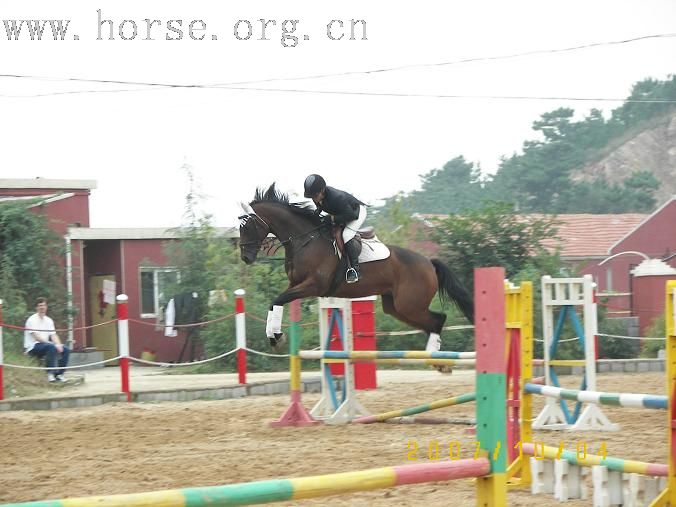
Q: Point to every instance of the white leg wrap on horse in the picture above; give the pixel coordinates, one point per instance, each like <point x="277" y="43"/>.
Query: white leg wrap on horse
<point x="268" y="326"/>
<point x="277" y="313"/>
<point x="433" y="343"/>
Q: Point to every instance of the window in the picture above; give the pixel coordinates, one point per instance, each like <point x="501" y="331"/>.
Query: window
<point x="154" y="284"/>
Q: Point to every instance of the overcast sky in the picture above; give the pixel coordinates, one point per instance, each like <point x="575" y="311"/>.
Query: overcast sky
<point x="135" y="143"/>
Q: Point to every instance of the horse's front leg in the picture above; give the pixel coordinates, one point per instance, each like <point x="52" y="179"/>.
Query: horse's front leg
<point x="273" y="327"/>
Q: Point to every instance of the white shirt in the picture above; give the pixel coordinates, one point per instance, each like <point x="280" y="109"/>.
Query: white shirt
<point x="45" y="327"/>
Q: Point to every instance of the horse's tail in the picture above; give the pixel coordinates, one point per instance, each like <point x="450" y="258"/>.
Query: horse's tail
<point x="451" y="288"/>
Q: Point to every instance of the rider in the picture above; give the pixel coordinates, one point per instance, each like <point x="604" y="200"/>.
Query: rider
<point x="346" y="210"/>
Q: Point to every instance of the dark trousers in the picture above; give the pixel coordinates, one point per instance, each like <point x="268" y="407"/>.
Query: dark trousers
<point x="48" y="351"/>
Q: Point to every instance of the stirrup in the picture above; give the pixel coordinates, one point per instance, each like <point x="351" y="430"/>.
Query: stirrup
<point x="347" y="276"/>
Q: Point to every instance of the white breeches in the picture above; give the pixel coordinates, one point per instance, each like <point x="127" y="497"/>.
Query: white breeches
<point x="351" y="228"/>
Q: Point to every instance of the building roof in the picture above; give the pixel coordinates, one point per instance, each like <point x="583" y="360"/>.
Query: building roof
<point x="91" y="233"/>
<point x="581" y="236"/>
<point x="40" y="199"/>
<point x="584" y="236"/>
<point x="47" y="184"/>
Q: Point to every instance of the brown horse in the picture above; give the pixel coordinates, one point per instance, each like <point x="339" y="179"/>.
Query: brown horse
<point x="406" y="281"/>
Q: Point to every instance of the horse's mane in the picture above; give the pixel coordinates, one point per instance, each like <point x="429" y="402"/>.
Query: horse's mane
<point x="274" y="196"/>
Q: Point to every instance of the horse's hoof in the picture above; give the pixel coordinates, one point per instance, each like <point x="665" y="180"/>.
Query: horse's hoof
<point x="277" y="342"/>
<point x="445" y="369"/>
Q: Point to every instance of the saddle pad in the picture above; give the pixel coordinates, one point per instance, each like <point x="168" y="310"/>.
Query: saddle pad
<point x="373" y="250"/>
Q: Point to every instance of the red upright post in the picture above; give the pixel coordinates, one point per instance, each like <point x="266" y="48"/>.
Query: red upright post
<point x="123" y="341"/>
<point x="364" y="328"/>
<point x="240" y="327"/>
<point x="363" y="338"/>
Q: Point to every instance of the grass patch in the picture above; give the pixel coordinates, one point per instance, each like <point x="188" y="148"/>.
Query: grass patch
<point x="19" y="382"/>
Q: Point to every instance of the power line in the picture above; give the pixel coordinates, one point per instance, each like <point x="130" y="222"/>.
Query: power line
<point x="348" y="73"/>
<point x="237" y="85"/>
<point x="458" y="62"/>
<point x="369" y="94"/>
<point x="448" y="96"/>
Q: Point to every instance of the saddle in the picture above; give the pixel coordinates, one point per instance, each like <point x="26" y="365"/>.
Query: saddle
<point x="365" y="233"/>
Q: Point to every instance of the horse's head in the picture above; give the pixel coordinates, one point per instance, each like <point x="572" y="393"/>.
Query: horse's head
<point x="252" y="231"/>
<point x="270" y="209"/>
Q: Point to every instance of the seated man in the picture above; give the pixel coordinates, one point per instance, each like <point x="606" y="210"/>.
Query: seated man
<point x="40" y="340"/>
<point x="346" y="210"/>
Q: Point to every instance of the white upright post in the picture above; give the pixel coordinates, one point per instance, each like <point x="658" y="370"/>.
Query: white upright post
<point x="551" y="416"/>
<point x="571" y="292"/>
<point x="330" y="408"/>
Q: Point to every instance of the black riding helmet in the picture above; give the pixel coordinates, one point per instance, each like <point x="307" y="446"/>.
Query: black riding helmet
<point x="314" y="184"/>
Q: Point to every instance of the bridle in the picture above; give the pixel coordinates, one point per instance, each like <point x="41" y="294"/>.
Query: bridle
<point x="244" y="220"/>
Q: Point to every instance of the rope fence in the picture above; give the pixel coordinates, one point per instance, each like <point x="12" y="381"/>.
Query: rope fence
<point x="241" y="348"/>
<point x="59" y="330"/>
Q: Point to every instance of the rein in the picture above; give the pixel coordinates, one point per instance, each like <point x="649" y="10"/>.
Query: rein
<point x="282" y="242"/>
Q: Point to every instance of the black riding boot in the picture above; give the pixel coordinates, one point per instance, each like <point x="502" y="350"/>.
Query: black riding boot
<point x="352" y="249"/>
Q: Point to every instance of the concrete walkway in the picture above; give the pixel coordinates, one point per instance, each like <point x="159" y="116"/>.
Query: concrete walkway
<point x="103" y="385"/>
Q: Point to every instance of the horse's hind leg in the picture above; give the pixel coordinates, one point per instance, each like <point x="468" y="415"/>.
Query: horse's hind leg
<point x="428" y="321"/>
<point x="433" y="322"/>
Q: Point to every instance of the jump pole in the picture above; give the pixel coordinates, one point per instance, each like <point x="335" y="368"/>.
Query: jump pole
<point x="123" y="342"/>
<point x="369" y="355"/>
<point x="279" y="490"/>
<point x="240" y="331"/>
<point x="296" y="414"/>
<point x="418" y="409"/>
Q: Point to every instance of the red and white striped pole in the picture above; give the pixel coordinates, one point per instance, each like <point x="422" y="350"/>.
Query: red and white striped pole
<point x="240" y="330"/>
<point x="123" y="341"/>
<point x="2" y="358"/>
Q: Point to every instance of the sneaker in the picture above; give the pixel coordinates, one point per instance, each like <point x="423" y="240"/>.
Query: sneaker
<point x="51" y="377"/>
<point x="59" y="378"/>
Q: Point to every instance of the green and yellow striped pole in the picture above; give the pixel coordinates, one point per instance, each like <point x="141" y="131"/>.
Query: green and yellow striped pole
<point x="278" y="490"/>
<point x="296" y="414"/>
<point x="418" y="409"/>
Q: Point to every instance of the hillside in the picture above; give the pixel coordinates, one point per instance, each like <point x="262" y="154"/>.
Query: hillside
<point x="652" y="148"/>
<point x="622" y="162"/>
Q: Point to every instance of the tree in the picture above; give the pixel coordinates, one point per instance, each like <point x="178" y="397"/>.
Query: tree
<point x="393" y="222"/>
<point x="555" y="125"/>
<point x="495" y="236"/>
<point x="456" y="187"/>
<point x="31" y="265"/>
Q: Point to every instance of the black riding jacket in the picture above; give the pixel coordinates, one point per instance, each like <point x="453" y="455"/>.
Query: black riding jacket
<point x="343" y="206"/>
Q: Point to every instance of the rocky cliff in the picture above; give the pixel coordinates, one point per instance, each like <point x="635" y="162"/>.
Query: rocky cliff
<point x="651" y="149"/>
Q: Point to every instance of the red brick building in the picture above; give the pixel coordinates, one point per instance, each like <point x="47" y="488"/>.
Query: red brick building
<point x="587" y="244"/>
<point x="129" y="261"/>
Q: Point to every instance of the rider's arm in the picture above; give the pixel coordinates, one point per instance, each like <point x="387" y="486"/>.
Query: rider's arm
<point x="348" y="214"/>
